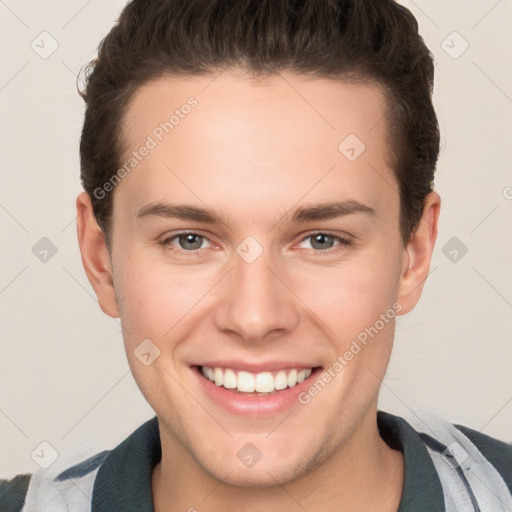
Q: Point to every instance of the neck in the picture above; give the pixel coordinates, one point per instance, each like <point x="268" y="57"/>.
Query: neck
<point x="363" y="474"/>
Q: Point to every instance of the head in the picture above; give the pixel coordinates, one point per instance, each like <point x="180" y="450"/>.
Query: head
<point x="258" y="194"/>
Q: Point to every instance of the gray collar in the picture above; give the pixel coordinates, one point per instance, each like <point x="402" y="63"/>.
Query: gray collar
<point x="123" y="481"/>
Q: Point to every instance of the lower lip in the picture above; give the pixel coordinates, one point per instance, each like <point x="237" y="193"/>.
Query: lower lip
<point x="254" y="405"/>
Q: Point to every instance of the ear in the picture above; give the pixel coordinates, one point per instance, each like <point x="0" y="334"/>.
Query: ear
<point x="95" y="256"/>
<point x="418" y="254"/>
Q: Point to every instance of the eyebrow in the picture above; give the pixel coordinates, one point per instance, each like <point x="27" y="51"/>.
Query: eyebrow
<point x="325" y="211"/>
<point x="314" y="212"/>
<point x="185" y="212"/>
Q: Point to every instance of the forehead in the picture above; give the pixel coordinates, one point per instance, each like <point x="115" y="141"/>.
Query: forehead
<point x="264" y="137"/>
<point x="317" y="107"/>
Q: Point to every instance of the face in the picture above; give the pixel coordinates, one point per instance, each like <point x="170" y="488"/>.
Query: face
<point x="257" y="266"/>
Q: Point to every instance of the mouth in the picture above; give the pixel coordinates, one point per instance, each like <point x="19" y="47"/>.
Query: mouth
<point x="264" y="383"/>
<point x="265" y="391"/>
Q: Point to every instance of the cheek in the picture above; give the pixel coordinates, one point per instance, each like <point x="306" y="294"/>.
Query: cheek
<point x="156" y="305"/>
<point x="155" y="298"/>
<point x="350" y="297"/>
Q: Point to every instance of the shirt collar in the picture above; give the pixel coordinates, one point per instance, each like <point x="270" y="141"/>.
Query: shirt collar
<point x="422" y="491"/>
<point x="123" y="481"/>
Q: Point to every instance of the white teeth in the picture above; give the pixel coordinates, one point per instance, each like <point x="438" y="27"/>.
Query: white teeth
<point x="263" y="382"/>
<point x="229" y="379"/>
<point x="219" y="376"/>
<point x="292" y="378"/>
<point x="280" y="380"/>
<point x="245" y="382"/>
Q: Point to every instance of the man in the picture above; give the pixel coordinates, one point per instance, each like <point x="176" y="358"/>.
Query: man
<point x="258" y="209"/>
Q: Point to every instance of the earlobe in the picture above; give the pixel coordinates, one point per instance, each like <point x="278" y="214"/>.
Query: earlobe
<point x="418" y="254"/>
<point x="95" y="256"/>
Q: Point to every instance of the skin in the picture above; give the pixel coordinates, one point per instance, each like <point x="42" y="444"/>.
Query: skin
<point x="254" y="151"/>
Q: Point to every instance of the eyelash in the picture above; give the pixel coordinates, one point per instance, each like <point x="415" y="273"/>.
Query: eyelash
<point x="343" y="242"/>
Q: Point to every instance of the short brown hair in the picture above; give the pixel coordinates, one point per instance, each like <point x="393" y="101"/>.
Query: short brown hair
<point x="355" y="40"/>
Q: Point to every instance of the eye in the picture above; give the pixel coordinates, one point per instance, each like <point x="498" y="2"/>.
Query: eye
<point x="324" y="242"/>
<point x="187" y="242"/>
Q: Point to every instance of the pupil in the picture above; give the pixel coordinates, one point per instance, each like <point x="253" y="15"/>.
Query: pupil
<point x="323" y="240"/>
<point x="194" y="240"/>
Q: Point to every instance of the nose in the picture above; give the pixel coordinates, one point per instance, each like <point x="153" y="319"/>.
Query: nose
<point x="255" y="302"/>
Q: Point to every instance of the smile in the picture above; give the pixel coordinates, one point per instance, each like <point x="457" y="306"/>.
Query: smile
<point x="247" y="382"/>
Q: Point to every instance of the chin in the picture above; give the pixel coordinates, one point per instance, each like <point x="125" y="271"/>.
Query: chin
<point x="269" y="471"/>
<point x="263" y="477"/>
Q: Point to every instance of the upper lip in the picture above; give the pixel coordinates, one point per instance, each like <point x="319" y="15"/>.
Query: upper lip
<point x="252" y="367"/>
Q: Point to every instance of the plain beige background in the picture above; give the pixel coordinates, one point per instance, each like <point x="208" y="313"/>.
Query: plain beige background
<point x="64" y="377"/>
